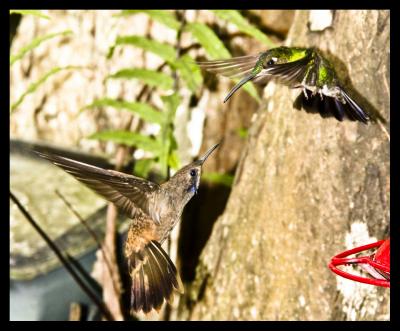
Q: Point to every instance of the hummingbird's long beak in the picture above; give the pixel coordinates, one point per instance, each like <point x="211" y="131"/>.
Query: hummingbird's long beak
<point x="207" y="154"/>
<point x="243" y="81"/>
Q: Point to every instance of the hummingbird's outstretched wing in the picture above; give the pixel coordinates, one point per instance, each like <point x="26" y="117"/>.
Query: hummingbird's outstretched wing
<point x="235" y="67"/>
<point x="127" y="192"/>
<point x="290" y="73"/>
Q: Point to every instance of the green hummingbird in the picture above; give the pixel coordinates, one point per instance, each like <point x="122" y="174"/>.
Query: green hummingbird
<point x="295" y="67"/>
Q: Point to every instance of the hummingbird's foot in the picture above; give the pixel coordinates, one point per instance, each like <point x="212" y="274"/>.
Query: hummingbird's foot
<point x="305" y="93"/>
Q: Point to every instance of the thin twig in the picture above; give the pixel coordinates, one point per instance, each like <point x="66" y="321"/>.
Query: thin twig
<point x="81" y="270"/>
<point x="62" y="259"/>
<point x="91" y="232"/>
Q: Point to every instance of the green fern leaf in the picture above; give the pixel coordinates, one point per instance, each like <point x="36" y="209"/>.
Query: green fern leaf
<point x="34" y="86"/>
<point x="218" y="178"/>
<point x="146" y="76"/>
<point x="189" y="72"/>
<point x="35" y="43"/>
<point x="165" y="51"/>
<point x="164" y="17"/>
<point x="212" y="45"/>
<point x="129" y="139"/>
<point x="234" y="17"/>
<point x="29" y="12"/>
<point x="143" y="110"/>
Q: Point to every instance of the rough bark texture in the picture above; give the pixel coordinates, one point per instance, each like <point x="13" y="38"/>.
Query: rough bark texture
<point x="305" y="189"/>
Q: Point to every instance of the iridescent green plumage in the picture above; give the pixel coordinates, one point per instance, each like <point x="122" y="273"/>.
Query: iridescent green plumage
<point x="295" y="67"/>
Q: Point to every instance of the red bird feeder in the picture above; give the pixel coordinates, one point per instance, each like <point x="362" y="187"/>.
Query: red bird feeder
<point x="376" y="264"/>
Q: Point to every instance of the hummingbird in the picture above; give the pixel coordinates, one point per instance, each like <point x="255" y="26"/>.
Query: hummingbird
<point x="296" y="67"/>
<point x="154" y="210"/>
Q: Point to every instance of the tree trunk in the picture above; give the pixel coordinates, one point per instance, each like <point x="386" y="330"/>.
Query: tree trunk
<point x="305" y="189"/>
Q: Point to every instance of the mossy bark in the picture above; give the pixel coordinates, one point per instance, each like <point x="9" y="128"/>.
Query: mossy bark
<point x="305" y="188"/>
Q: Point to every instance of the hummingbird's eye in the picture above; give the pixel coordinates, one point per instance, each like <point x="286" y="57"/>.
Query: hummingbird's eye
<point x="270" y="62"/>
<point x="193" y="173"/>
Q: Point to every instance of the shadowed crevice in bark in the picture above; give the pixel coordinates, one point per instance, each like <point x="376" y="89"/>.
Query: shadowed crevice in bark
<point x="198" y="220"/>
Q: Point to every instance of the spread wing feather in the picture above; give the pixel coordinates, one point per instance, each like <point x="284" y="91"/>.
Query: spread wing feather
<point x="127" y="192"/>
<point x="234" y="67"/>
<point x="290" y="73"/>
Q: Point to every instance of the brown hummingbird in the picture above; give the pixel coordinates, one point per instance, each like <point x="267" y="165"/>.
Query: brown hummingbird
<point x="154" y="209"/>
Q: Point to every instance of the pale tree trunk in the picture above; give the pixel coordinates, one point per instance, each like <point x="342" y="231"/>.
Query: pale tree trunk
<point x="306" y="188"/>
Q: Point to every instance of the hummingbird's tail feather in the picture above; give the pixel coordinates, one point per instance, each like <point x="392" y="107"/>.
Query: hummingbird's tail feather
<point x="330" y="106"/>
<point x="154" y="278"/>
<point x="354" y="109"/>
